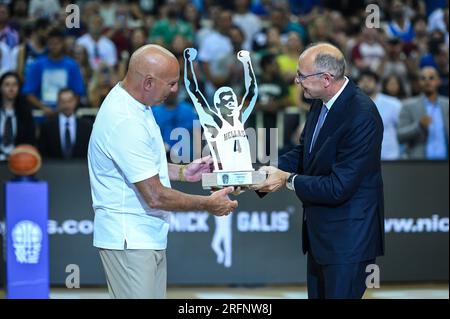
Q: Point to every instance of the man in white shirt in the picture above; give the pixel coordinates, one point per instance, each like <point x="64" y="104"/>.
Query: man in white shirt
<point x="130" y="178"/>
<point x="389" y="108"/>
<point x="100" y="48"/>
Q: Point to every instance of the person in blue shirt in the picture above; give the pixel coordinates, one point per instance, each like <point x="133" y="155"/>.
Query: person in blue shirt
<point x="171" y="115"/>
<point x="49" y="74"/>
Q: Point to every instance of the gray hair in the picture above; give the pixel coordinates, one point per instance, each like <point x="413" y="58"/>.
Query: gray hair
<point x="327" y="63"/>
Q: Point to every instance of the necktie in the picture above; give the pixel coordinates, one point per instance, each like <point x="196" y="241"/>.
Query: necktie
<point x="67" y="142"/>
<point x="322" y="115"/>
<point x="8" y="137"/>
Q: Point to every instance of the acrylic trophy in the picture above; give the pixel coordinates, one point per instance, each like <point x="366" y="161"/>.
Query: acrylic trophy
<point x="223" y="126"/>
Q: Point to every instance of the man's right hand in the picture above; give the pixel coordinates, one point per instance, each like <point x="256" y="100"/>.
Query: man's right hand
<point x="219" y="203"/>
<point x="425" y="121"/>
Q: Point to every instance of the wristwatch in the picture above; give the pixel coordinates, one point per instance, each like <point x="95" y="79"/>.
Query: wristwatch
<point x="290" y="181"/>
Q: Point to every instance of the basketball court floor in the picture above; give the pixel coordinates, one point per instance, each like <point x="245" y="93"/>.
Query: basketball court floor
<point x="386" y="291"/>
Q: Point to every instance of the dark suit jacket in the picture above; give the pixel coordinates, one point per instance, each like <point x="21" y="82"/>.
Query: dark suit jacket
<point x="340" y="182"/>
<point x="26" y="130"/>
<point x="50" y="139"/>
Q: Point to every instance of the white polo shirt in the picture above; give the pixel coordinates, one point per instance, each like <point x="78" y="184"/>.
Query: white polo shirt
<point x="126" y="147"/>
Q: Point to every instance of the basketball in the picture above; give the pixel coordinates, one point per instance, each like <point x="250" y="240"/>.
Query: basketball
<point x="24" y="160"/>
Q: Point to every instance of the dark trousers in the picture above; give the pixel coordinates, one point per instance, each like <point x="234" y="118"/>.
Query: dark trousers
<point x="344" y="281"/>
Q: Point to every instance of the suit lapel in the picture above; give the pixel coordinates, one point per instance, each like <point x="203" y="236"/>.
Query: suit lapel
<point x="315" y="113"/>
<point x="444" y="108"/>
<point x="335" y="117"/>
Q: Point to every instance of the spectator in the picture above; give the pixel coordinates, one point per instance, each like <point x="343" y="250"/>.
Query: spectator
<point x="423" y="124"/>
<point x="16" y="121"/>
<point x="215" y="46"/>
<point x="228" y="71"/>
<point x="420" y="42"/>
<point x="119" y="34"/>
<point x="7" y="34"/>
<point x="100" y="49"/>
<point x="280" y="20"/>
<point x="102" y="82"/>
<point x="192" y="16"/>
<point x="400" y="26"/>
<point x="108" y="12"/>
<point x="273" y="94"/>
<point x="320" y="30"/>
<point x="393" y="86"/>
<point x="272" y="88"/>
<point x="438" y="20"/>
<point x="439" y="59"/>
<point x="171" y="115"/>
<point x="368" y="52"/>
<point x="247" y="21"/>
<point x="80" y="55"/>
<point x="19" y="14"/>
<point x="164" y="30"/>
<point x="34" y="47"/>
<point x="262" y="8"/>
<point x="65" y="136"/>
<point x="287" y="62"/>
<point x="389" y="108"/>
<point x="48" y="74"/>
<point x="395" y="62"/>
<point x="272" y="43"/>
<point x="137" y="39"/>
<point x="6" y="60"/>
<point x="47" y="9"/>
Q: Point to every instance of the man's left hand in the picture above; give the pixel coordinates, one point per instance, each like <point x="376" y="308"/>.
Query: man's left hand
<point x="193" y="172"/>
<point x="275" y="180"/>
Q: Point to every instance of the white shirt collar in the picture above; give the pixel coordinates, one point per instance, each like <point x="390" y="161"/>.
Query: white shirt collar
<point x="63" y="119"/>
<point x="131" y="98"/>
<point x="330" y="103"/>
<point x="8" y="112"/>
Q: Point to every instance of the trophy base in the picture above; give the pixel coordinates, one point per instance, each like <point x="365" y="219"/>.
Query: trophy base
<point x="243" y="179"/>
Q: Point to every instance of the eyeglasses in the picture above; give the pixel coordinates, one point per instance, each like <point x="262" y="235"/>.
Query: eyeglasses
<point x="427" y="78"/>
<point x="300" y="78"/>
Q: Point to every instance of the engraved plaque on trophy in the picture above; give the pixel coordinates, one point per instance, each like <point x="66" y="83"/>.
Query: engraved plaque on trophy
<point x="223" y="125"/>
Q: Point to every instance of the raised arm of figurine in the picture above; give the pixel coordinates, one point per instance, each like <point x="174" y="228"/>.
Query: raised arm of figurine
<point x="251" y="88"/>
<point x="204" y="111"/>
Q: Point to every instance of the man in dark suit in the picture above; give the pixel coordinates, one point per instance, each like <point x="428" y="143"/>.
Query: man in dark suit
<point x="65" y="135"/>
<point x="336" y="172"/>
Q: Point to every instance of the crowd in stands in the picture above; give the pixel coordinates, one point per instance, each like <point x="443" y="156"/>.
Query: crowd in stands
<point x="49" y="70"/>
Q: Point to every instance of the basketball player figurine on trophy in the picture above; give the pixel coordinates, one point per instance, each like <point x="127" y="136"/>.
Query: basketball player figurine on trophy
<point x="223" y="126"/>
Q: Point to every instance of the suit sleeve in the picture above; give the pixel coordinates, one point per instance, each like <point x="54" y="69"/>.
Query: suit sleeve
<point x="358" y="152"/>
<point x="408" y="128"/>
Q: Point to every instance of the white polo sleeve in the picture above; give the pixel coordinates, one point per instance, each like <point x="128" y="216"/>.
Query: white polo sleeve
<point x="135" y="151"/>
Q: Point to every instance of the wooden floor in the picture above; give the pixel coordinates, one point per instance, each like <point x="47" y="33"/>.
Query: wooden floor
<point x="386" y="291"/>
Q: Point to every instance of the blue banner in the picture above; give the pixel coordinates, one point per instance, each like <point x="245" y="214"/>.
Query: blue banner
<point x="27" y="259"/>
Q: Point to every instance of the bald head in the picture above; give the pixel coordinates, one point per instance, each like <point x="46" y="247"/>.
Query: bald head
<point x="325" y="58"/>
<point x="153" y="74"/>
<point x="151" y="59"/>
